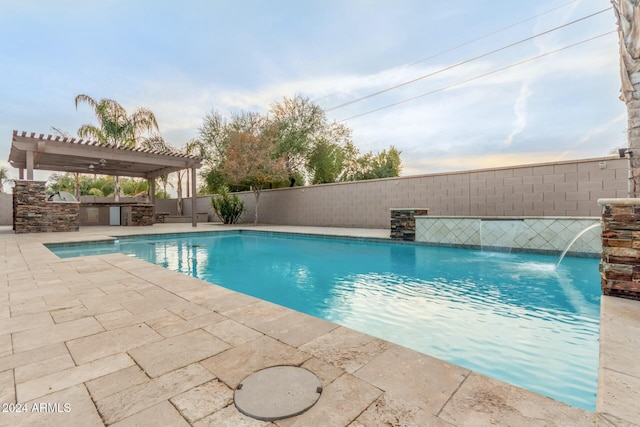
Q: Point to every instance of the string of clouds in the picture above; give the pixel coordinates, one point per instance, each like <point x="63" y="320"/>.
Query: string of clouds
<point x="185" y="59"/>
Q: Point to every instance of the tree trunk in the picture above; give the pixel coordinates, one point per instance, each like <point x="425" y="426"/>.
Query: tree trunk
<point x="633" y="135"/>
<point x="188" y="182"/>
<point x="179" y="193"/>
<point x="628" y="16"/>
<point x="257" y="194"/>
<point x="76" y="186"/>
<point x="116" y="189"/>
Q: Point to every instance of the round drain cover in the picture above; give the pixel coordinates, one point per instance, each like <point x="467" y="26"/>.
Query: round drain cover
<point x="277" y="392"/>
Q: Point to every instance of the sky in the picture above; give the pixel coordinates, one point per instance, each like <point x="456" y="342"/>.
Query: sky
<point x="185" y="59"/>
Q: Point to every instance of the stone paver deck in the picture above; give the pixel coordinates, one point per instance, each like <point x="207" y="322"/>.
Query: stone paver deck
<point x="111" y="340"/>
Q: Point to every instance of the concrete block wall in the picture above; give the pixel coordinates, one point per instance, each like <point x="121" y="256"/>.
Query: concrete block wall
<point x="569" y="188"/>
<point x="6" y="209"/>
<point x="170" y="205"/>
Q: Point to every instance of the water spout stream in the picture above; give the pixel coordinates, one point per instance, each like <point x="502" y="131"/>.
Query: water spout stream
<point x="498" y="235"/>
<point x="574" y="240"/>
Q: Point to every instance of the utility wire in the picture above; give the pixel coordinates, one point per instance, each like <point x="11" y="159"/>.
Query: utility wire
<point x="435" y="55"/>
<point x="480" y="76"/>
<point x="463" y="62"/>
<point x="489" y="34"/>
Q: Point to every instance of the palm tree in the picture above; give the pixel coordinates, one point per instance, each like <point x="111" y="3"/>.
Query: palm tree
<point x="198" y="148"/>
<point x="194" y="146"/>
<point x="628" y="16"/>
<point x="117" y="128"/>
<point x="4" y="177"/>
<point x="164" y="179"/>
<point x="76" y="175"/>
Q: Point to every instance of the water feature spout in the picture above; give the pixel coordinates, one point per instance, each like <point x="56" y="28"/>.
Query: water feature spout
<point x="498" y="235"/>
<point x="574" y="240"/>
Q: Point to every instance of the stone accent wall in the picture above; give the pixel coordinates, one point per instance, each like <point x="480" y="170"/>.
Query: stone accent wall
<point x="620" y="265"/>
<point x="141" y="214"/>
<point x="403" y="222"/>
<point x="32" y="213"/>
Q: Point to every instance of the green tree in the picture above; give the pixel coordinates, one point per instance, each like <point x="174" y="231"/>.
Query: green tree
<point x="65" y="134"/>
<point x="60" y="182"/>
<point x="313" y="148"/>
<point x="133" y="186"/>
<point x="213" y="136"/>
<point x="196" y="147"/>
<point x="326" y="162"/>
<point x="299" y="125"/>
<point x="164" y="180"/>
<point x="248" y="122"/>
<point x="357" y="167"/>
<point x="119" y="129"/>
<point x="95" y="186"/>
<point x="103" y="183"/>
<point x="253" y="161"/>
<point x="385" y="164"/>
<point x="95" y="192"/>
<point x="214" y="179"/>
<point x="4" y="177"/>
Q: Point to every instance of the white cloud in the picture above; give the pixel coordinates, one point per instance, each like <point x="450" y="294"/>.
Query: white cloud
<point x="596" y="132"/>
<point x="520" y="111"/>
<point x="205" y="61"/>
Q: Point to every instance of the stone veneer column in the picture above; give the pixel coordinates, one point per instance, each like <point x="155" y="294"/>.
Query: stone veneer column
<point x="142" y="214"/>
<point x="32" y="213"/>
<point x="620" y="265"/>
<point x="403" y="222"/>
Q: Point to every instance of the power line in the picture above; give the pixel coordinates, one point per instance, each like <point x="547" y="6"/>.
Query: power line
<point x="489" y="34"/>
<point x="480" y="76"/>
<point x="435" y="55"/>
<point x="463" y="62"/>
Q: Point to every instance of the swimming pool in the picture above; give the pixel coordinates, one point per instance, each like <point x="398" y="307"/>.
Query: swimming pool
<point x="513" y="317"/>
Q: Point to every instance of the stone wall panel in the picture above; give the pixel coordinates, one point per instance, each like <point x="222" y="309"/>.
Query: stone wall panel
<point x="33" y="213"/>
<point x="620" y="264"/>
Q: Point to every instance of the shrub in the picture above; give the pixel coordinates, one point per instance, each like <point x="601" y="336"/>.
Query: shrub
<point x="227" y="207"/>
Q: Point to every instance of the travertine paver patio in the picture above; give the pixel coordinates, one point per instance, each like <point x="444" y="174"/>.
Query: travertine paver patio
<point x="111" y="340"/>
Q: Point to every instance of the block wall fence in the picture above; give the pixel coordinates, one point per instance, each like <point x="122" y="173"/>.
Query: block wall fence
<point x="6" y="209"/>
<point x="568" y="188"/>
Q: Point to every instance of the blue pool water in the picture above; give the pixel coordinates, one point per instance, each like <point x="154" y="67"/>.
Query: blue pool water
<point x="513" y="317"/>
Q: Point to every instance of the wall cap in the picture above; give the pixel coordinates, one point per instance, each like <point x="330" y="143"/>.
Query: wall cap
<point x="511" y="218"/>
<point x="619" y="202"/>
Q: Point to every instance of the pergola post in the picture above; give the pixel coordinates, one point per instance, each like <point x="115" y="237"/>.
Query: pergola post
<point x="152" y="195"/>
<point x="29" y="165"/>
<point x="194" y="217"/>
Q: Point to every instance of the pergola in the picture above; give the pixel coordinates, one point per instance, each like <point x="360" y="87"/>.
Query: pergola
<point x="54" y="153"/>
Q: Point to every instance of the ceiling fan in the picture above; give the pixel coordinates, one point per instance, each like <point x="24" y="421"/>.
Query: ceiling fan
<point x="102" y="163"/>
